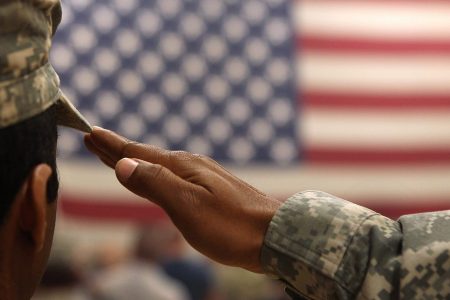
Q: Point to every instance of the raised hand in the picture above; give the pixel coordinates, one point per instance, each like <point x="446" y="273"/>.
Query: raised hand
<point x="218" y="214"/>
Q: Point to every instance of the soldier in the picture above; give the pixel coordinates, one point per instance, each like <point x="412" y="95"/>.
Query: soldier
<point x="321" y="246"/>
<point x="31" y="107"/>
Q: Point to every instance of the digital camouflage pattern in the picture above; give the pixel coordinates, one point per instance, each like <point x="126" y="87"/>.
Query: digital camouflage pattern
<point x="324" y="247"/>
<point x="28" y="83"/>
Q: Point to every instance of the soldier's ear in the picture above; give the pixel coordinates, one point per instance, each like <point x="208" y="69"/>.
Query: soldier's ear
<point x="33" y="207"/>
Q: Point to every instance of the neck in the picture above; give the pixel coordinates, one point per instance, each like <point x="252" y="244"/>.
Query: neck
<point x="7" y="286"/>
<point x="12" y="286"/>
<point x="6" y="290"/>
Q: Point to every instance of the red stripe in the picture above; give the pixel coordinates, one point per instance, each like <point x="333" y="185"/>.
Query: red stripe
<point x="381" y="2"/>
<point x="385" y="156"/>
<point x="104" y="211"/>
<point x="376" y="46"/>
<point x="394" y="208"/>
<point x="373" y="101"/>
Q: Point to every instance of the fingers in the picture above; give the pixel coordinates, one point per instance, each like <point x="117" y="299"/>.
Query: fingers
<point x="107" y="143"/>
<point x="103" y="157"/>
<point x="155" y="183"/>
<point x="112" y="147"/>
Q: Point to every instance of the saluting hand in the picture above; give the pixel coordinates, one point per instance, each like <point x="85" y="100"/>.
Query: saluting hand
<point x="219" y="215"/>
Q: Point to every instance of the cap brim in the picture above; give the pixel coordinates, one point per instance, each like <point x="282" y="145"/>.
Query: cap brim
<point x="69" y="116"/>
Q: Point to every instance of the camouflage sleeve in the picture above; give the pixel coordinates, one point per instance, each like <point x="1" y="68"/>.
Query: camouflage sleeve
<point x="324" y="247"/>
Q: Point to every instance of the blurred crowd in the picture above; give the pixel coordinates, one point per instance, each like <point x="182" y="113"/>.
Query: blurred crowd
<point x="159" y="266"/>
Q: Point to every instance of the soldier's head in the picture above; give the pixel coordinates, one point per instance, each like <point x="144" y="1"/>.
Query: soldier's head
<point x="31" y="107"/>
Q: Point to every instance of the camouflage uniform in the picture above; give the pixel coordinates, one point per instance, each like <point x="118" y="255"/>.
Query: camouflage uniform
<point x="324" y="247"/>
<point x="28" y="83"/>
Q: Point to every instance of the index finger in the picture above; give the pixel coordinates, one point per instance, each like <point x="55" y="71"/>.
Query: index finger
<point x="111" y="147"/>
<point x="115" y="147"/>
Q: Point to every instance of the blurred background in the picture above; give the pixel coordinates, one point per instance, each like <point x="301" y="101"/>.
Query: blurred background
<point x="349" y="97"/>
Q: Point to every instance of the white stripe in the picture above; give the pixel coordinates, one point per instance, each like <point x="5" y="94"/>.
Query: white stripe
<point x="374" y="73"/>
<point x="357" y="183"/>
<point x="379" y="129"/>
<point x="374" y="19"/>
<point x="92" y="181"/>
<point x="90" y="237"/>
<point x="86" y="179"/>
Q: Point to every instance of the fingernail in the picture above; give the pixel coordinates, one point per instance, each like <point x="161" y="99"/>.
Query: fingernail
<point x="125" y="167"/>
<point x="97" y="128"/>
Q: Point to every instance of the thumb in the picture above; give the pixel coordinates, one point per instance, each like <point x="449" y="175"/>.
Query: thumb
<point x="151" y="181"/>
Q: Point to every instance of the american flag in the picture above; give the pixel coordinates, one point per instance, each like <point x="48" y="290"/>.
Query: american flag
<point x="350" y="97"/>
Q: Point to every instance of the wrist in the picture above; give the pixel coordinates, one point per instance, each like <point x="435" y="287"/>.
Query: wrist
<point x="260" y="226"/>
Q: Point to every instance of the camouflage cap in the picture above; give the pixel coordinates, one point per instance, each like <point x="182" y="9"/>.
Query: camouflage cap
<point x="28" y="83"/>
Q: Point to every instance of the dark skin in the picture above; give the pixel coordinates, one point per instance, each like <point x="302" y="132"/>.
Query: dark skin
<point x="219" y="215"/>
<point x="26" y="237"/>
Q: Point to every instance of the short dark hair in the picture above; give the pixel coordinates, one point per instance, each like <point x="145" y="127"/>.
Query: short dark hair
<point x="22" y="147"/>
